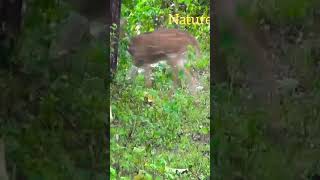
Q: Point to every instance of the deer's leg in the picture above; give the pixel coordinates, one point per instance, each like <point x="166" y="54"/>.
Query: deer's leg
<point x="175" y="75"/>
<point x="147" y="76"/>
<point x="190" y="77"/>
<point x="181" y="67"/>
<point x="174" y="63"/>
<point x="133" y="72"/>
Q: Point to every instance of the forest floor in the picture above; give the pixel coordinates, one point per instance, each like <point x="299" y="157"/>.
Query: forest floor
<point x="159" y="130"/>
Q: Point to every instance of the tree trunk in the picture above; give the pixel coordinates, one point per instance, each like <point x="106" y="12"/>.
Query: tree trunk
<point x="115" y="19"/>
<point x="10" y="24"/>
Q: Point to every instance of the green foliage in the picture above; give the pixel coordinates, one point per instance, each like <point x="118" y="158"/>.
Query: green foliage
<point x="242" y="148"/>
<point x="285" y="12"/>
<point x="149" y="123"/>
<point x="147" y="14"/>
<point x="59" y="133"/>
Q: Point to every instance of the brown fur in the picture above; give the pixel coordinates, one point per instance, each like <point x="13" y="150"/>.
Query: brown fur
<point x="170" y="45"/>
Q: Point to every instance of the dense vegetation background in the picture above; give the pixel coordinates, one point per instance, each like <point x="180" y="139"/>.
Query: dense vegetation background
<point x="52" y="110"/>
<point x="242" y="150"/>
<point x="156" y="132"/>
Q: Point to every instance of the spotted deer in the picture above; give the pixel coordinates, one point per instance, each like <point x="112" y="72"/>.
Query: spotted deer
<point x="170" y="45"/>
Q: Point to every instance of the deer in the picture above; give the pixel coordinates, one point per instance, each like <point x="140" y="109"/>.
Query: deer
<point x="169" y="45"/>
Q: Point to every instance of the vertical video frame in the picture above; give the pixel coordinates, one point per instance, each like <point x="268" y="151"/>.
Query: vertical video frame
<point x="160" y="91"/>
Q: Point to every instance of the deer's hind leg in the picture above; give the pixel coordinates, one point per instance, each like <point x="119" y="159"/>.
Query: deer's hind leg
<point x="178" y="65"/>
<point x="147" y="76"/>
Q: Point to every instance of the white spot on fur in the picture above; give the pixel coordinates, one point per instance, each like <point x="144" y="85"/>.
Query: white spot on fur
<point x="172" y="56"/>
<point x="158" y="63"/>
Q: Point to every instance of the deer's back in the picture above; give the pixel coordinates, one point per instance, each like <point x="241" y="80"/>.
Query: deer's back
<point x="151" y="47"/>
